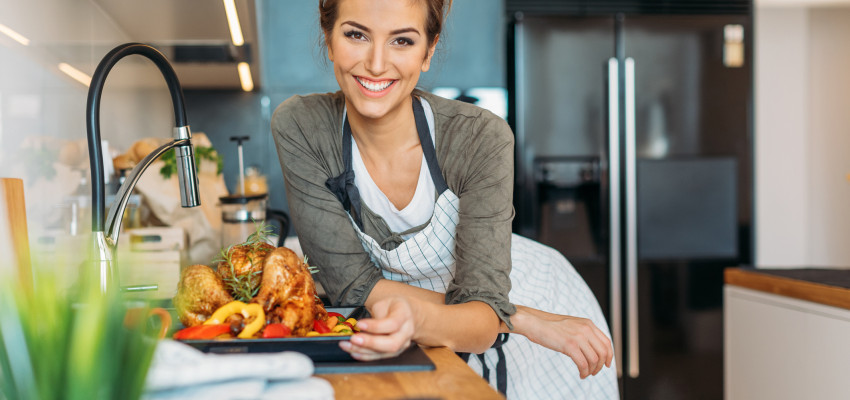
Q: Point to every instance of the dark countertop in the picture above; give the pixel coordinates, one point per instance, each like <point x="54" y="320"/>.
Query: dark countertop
<point x="824" y="276"/>
<point x="820" y="285"/>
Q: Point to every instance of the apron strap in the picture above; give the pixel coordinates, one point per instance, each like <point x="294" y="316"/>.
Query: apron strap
<point x="428" y="147"/>
<point x="343" y="186"/>
<point x="501" y="363"/>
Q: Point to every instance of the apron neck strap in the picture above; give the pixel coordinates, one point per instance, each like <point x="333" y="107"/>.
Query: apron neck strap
<point x="428" y="146"/>
<point x="343" y="185"/>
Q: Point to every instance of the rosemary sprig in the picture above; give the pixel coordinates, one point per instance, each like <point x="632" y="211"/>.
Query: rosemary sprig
<point x="245" y="287"/>
<point x="313" y="269"/>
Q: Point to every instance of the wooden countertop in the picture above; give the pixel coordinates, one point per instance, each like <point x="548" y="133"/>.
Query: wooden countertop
<point x="824" y="286"/>
<point x="453" y="379"/>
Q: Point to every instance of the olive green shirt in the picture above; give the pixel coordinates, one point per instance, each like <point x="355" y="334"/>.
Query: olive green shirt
<point x="475" y="152"/>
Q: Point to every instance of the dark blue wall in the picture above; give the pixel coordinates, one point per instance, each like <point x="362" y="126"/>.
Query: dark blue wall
<point x="471" y="54"/>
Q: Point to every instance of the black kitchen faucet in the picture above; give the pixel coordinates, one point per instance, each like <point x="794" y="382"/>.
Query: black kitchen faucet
<point x="105" y="233"/>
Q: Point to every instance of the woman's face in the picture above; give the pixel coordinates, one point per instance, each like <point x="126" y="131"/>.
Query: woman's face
<point x="379" y="48"/>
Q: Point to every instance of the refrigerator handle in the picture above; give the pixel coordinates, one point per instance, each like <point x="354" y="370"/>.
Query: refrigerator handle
<point x="615" y="260"/>
<point x="631" y="222"/>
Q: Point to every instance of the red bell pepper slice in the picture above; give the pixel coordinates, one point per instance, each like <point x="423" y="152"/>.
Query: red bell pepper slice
<point x="276" y="331"/>
<point x="335" y="314"/>
<point x="320" y="326"/>
<point x="202" y="332"/>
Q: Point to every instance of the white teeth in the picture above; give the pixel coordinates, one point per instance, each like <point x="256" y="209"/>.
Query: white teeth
<point x="375" y="87"/>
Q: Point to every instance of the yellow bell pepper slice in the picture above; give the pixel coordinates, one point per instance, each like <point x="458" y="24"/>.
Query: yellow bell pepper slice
<point x="247" y="310"/>
<point x="254" y="326"/>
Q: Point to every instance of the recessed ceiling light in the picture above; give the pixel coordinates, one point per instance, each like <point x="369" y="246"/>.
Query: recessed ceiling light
<point x="78" y="75"/>
<point x="14" y="35"/>
<point x="245" y="76"/>
<point x="233" y="22"/>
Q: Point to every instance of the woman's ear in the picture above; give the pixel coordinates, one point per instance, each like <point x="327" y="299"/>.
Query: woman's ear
<point x="426" y="65"/>
<point x="330" y="49"/>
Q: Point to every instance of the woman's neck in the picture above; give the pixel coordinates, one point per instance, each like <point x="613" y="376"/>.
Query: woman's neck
<point x="386" y="136"/>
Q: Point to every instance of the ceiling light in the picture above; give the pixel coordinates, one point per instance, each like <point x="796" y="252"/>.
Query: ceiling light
<point x="78" y="75"/>
<point x="14" y="35"/>
<point x="233" y="22"/>
<point x="245" y="76"/>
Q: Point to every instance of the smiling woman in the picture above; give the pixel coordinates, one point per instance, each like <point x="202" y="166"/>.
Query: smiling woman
<point x="403" y="201"/>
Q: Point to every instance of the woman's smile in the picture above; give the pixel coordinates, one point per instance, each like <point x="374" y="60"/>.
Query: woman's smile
<point x="375" y="88"/>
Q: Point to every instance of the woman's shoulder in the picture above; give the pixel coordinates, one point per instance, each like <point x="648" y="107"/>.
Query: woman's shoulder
<point x="312" y="110"/>
<point x="457" y="120"/>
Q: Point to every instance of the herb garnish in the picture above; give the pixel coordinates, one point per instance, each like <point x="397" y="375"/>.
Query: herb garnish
<point x="245" y="287"/>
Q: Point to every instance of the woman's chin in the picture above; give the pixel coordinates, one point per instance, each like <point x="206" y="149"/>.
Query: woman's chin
<point x="371" y="109"/>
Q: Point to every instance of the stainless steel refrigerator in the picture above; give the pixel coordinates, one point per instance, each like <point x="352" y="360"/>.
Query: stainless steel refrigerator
<point x="633" y="125"/>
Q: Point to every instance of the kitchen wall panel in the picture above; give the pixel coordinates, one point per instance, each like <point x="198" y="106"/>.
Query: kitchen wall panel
<point x="829" y="141"/>
<point x="802" y="98"/>
<point x="42" y="110"/>
<point x="781" y="74"/>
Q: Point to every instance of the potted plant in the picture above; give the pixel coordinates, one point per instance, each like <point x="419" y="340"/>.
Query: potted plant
<point x="70" y="344"/>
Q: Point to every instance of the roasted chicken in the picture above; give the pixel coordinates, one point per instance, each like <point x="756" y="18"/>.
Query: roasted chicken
<point x="288" y="292"/>
<point x="275" y="278"/>
<point x="199" y="293"/>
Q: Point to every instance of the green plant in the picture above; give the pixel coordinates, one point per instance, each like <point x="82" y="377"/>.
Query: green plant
<point x="59" y="344"/>
<point x="201" y="153"/>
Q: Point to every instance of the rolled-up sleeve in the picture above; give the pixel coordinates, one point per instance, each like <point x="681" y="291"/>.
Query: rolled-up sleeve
<point x="303" y="131"/>
<point x="479" y="167"/>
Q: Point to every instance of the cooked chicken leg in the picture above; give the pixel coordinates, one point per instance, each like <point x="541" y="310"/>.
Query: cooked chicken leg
<point x="288" y="292"/>
<point x="199" y="293"/>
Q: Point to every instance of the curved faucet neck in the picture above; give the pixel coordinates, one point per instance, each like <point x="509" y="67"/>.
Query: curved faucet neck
<point x="93" y="116"/>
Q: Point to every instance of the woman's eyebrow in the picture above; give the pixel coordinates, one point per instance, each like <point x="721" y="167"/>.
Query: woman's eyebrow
<point x="395" y="32"/>
<point x="403" y="30"/>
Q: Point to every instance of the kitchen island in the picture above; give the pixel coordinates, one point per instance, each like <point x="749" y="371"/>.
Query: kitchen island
<point x="786" y="333"/>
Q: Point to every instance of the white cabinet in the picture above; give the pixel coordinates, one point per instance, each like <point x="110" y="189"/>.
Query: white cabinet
<point x="777" y="347"/>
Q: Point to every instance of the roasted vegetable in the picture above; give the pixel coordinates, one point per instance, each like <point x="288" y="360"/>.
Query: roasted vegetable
<point x="202" y="332"/>
<point x="276" y="331"/>
<point x="255" y="318"/>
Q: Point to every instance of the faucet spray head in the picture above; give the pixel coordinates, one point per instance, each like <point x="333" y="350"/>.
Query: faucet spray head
<point x="187" y="178"/>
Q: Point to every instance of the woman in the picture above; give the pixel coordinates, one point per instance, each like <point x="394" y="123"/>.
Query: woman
<point x="403" y="201"/>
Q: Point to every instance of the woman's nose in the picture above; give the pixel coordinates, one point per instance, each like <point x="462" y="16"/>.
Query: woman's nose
<point x="376" y="63"/>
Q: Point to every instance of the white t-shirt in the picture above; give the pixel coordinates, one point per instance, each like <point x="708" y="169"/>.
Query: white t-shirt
<point x="421" y="207"/>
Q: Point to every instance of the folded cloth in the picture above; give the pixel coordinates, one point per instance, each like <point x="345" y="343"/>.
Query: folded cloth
<point x="179" y="371"/>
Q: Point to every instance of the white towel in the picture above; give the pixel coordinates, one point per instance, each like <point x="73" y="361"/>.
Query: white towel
<point x="179" y="371"/>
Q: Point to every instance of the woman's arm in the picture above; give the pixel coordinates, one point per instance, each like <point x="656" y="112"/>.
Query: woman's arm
<point x="578" y="338"/>
<point x="401" y="313"/>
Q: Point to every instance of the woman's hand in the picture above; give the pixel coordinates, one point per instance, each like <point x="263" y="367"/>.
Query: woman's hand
<point x="578" y="338"/>
<point x="386" y="334"/>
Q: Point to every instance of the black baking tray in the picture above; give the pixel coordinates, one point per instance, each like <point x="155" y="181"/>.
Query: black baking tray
<point x="327" y="356"/>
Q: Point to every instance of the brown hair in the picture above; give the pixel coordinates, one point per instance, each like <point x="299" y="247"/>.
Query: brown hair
<point x="437" y="11"/>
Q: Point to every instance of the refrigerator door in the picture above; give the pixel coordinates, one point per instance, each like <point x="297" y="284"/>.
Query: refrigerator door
<point x="564" y="71"/>
<point x="688" y="203"/>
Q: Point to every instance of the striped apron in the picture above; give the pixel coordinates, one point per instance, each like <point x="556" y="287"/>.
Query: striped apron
<point x="540" y="276"/>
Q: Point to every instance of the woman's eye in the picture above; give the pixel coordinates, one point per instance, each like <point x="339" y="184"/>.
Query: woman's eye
<point x="403" y="41"/>
<point x="356" y="35"/>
